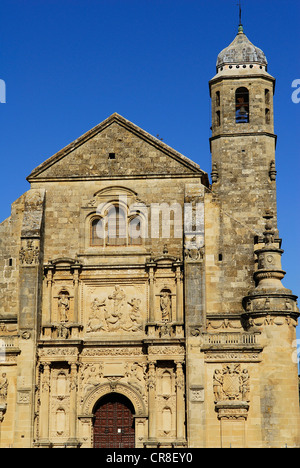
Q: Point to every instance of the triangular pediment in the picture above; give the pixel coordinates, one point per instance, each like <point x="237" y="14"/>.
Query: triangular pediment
<point x="116" y="148"/>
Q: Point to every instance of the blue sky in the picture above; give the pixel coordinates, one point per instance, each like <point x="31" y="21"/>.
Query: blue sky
<point x="69" y="64"/>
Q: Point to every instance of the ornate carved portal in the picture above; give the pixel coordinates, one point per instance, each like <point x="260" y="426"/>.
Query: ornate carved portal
<point x="114" y="425"/>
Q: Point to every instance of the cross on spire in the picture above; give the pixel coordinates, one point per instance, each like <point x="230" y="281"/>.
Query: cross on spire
<point x="240" y="17"/>
<point x="240" y="12"/>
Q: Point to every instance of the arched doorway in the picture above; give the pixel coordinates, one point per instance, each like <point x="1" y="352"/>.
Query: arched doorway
<point x="114" y="422"/>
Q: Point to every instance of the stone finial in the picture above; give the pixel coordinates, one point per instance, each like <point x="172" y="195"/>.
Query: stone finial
<point x="269" y="233"/>
<point x="214" y="173"/>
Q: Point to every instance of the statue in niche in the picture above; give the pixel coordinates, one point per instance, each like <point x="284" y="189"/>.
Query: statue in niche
<point x="114" y="318"/>
<point x="64" y="306"/>
<point x="165" y="305"/>
<point x="94" y="323"/>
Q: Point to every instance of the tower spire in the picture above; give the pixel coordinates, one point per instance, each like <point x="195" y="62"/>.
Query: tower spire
<point x="241" y="29"/>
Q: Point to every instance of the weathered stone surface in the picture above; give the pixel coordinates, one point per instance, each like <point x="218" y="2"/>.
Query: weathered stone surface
<point x="190" y="323"/>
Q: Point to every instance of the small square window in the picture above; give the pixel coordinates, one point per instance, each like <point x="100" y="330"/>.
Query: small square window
<point x="112" y="156"/>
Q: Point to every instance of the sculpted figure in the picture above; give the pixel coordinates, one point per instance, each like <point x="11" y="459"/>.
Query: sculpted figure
<point x="64" y="307"/>
<point x="3" y="387"/>
<point x="113" y="319"/>
<point x="165" y="306"/>
<point x="217" y="385"/>
<point x="94" y="323"/>
<point x="135" y="316"/>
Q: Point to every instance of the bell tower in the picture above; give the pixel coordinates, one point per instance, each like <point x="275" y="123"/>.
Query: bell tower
<point x="243" y="160"/>
<point x="247" y="253"/>
<point x="243" y="140"/>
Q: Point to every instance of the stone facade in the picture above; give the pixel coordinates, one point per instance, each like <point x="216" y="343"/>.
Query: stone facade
<point x="188" y="320"/>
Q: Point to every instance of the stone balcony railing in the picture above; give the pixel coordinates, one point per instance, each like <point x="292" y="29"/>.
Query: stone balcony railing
<point x="231" y="339"/>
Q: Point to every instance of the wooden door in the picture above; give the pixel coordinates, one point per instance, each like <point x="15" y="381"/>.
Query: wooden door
<point x="114" y="423"/>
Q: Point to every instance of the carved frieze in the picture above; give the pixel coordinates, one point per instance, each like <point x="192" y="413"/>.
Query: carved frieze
<point x="177" y="350"/>
<point x="231" y="356"/>
<point x="130" y="351"/>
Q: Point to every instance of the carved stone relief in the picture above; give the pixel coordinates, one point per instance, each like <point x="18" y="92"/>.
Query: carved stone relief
<point x="3" y="388"/>
<point x="29" y="253"/>
<point x="231" y="383"/>
<point x="117" y="312"/>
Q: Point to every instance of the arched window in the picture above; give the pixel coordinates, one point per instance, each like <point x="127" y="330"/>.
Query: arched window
<point x="242" y="105"/>
<point x="97" y="232"/>
<point x="135" y="231"/>
<point x="267" y="96"/>
<point x="116" y="226"/>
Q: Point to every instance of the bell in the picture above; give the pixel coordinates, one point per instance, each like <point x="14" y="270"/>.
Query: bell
<point x="242" y="115"/>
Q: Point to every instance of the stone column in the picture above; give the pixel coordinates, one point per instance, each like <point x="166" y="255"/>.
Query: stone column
<point x="152" y="400"/>
<point x="50" y="273"/>
<point x="45" y="403"/>
<point x="73" y="401"/>
<point x="180" y="401"/>
<point x="151" y="266"/>
<point x="76" y="268"/>
<point x="179" y="309"/>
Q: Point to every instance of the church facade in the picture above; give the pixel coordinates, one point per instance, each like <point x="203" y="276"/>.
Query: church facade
<point x="141" y="304"/>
